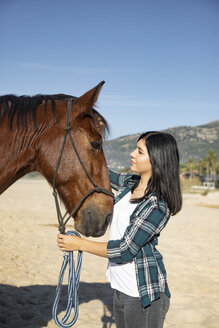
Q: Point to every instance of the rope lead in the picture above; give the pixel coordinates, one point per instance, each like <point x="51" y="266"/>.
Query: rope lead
<point x="73" y="285"/>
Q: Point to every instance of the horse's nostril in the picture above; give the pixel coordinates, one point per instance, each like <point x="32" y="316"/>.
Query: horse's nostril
<point x="108" y="218"/>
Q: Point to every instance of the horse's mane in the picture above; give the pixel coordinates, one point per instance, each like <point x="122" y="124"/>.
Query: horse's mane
<point x="23" y="107"/>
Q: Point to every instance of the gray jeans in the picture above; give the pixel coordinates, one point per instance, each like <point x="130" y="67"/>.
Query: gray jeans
<point x="129" y="313"/>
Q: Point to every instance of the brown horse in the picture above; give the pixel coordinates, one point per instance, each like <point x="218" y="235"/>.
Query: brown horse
<point x="32" y="130"/>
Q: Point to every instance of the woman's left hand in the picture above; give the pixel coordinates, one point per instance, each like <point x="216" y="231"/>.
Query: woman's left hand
<point x="68" y="242"/>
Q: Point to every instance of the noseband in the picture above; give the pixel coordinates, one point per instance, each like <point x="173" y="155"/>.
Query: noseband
<point x="62" y="219"/>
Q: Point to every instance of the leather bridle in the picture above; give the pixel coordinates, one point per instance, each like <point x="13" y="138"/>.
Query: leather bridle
<point x="62" y="220"/>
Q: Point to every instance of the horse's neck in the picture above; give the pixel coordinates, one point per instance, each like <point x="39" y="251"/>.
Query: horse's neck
<point x="17" y="158"/>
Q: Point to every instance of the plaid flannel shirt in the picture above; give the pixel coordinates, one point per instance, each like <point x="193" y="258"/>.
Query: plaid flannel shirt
<point x="140" y="239"/>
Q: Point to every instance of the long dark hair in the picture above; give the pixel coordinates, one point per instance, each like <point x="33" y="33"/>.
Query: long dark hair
<point x="164" y="156"/>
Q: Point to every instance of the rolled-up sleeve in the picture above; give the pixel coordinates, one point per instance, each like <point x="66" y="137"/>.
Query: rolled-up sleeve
<point x="119" y="180"/>
<point x="139" y="232"/>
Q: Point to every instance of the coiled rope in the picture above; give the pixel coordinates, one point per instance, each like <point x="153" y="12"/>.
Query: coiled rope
<point x="73" y="285"/>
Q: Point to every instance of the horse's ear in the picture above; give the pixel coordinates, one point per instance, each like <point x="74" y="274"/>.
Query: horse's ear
<point x="88" y="100"/>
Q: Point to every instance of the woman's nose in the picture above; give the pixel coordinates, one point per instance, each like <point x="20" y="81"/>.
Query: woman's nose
<point x="132" y="154"/>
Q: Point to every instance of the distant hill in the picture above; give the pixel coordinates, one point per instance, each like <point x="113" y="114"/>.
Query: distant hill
<point x="193" y="142"/>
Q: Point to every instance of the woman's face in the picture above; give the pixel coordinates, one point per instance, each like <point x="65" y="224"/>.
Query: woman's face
<point x="140" y="160"/>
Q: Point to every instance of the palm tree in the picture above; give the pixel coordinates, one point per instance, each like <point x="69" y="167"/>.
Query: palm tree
<point x="201" y="166"/>
<point x="190" y="164"/>
<point x="212" y="161"/>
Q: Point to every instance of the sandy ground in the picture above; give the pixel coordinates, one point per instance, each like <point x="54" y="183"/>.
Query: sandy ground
<point x="30" y="262"/>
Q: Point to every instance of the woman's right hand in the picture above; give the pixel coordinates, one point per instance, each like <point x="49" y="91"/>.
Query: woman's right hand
<point x="68" y="242"/>
<point x="74" y="243"/>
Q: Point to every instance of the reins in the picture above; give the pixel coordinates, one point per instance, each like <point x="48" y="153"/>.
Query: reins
<point x="73" y="285"/>
<point x="74" y="275"/>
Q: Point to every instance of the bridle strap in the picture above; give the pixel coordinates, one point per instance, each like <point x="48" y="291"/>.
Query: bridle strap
<point x="61" y="219"/>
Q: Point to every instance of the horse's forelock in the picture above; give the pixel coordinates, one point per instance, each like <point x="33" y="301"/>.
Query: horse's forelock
<point x="97" y="120"/>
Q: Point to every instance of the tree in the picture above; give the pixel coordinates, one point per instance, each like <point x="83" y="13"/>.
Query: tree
<point x="201" y="166"/>
<point x="190" y="164"/>
<point x="211" y="161"/>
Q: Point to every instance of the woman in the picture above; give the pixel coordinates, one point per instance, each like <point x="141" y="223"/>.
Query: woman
<point x="142" y="209"/>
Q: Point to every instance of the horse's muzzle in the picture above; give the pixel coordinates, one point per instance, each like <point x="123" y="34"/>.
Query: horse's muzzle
<point x="92" y="224"/>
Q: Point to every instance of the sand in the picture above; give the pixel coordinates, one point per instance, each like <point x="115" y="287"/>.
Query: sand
<point x="30" y="262"/>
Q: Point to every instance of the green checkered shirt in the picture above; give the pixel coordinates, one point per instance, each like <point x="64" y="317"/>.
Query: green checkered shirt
<point x="140" y="239"/>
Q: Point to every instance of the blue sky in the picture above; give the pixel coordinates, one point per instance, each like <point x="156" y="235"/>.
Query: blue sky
<point x="159" y="58"/>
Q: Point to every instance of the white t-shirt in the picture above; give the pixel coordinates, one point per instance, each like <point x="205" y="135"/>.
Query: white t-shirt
<point x="122" y="277"/>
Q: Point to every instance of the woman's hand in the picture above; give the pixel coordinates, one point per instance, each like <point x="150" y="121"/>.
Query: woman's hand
<point x="68" y="242"/>
<point x="74" y="243"/>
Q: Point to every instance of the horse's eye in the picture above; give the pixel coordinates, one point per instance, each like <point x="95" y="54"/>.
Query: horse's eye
<point x="96" y="145"/>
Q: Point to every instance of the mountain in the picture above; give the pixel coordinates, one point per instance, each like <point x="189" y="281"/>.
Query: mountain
<point x="193" y="142"/>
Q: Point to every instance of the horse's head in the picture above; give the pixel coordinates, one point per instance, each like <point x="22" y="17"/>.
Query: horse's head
<point x="72" y="183"/>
